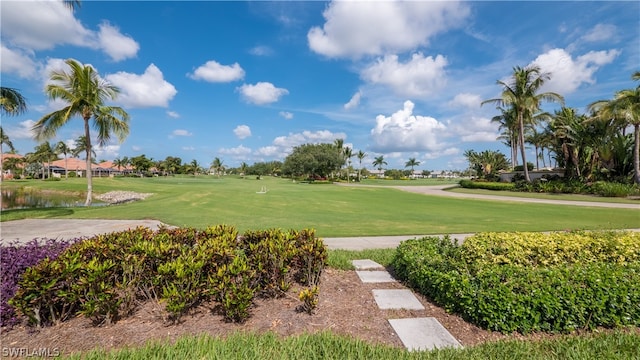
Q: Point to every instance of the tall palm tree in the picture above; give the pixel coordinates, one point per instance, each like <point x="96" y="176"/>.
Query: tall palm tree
<point x="536" y="138"/>
<point x="347" y="152"/>
<point x="194" y="166"/>
<point x="509" y="125"/>
<point x="4" y="140"/>
<point x="360" y="155"/>
<point x="121" y="163"/>
<point x="64" y="149"/>
<point x="85" y="94"/>
<point x="45" y="153"/>
<point x="412" y="163"/>
<point x="379" y="162"/>
<point x="624" y="108"/>
<point x="522" y="95"/>
<point x="12" y="102"/>
<point x="217" y="166"/>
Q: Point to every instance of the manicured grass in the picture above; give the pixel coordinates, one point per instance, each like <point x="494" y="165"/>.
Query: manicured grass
<point x="341" y="259"/>
<point x="570" y="197"/>
<point x="331" y="210"/>
<point x="412" y="182"/>
<point x="248" y="346"/>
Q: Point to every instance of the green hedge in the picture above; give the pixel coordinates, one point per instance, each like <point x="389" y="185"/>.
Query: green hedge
<point x="510" y="297"/>
<point x="500" y="186"/>
<point x="106" y="277"/>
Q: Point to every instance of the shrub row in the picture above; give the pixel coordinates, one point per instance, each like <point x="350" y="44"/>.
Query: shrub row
<point x="106" y="277"/>
<point x="522" y="297"/>
<point x="556" y="248"/>
<point x="487" y="185"/>
<point x="16" y="258"/>
<point x="560" y="186"/>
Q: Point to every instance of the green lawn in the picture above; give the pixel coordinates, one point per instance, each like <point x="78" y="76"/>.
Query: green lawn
<point x="331" y="210"/>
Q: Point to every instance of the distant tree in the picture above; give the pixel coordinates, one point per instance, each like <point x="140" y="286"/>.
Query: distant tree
<point x="379" y="162"/>
<point x="360" y="155"/>
<point x="487" y="163"/>
<point x="412" y="163"/>
<point x="45" y="153"/>
<point x="141" y="163"/>
<point x="347" y="153"/>
<point x="121" y="163"/>
<point x="4" y="140"/>
<point x="217" y="166"/>
<point x="64" y="149"/>
<point x="312" y="160"/>
<point x="80" y="147"/>
<point x="243" y="169"/>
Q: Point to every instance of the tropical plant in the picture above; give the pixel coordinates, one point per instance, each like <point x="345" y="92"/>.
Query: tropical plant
<point x="243" y="169"/>
<point x="121" y="163"/>
<point x="64" y="149"/>
<point x="347" y="152"/>
<point x="45" y="153"/>
<point x="379" y="162"/>
<point x="521" y="94"/>
<point x="12" y="102"/>
<point x="411" y="163"/>
<point x="85" y="94"/>
<point x="217" y="166"/>
<point x="624" y="109"/>
<point x="508" y="123"/>
<point x="486" y="164"/>
<point x="360" y="155"/>
<point x="4" y="140"/>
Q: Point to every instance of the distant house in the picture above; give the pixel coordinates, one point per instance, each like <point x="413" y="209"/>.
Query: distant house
<point x="377" y="173"/>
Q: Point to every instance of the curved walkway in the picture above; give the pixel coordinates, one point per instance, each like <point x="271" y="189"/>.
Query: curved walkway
<point x="438" y="190"/>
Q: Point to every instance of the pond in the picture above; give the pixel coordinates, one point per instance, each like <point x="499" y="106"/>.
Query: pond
<point x="26" y="198"/>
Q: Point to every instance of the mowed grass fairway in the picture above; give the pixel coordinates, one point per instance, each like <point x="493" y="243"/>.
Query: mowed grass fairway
<point x="331" y="210"/>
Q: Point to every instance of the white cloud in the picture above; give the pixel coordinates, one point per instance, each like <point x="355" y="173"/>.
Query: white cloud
<point x="42" y="25"/>
<point x="212" y="71"/>
<point x="356" y="28"/>
<point x="115" y="44"/>
<point x="136" y="148"/>
<point x="567" y="74"/>
<point x="269" y="151"/>
<point x="239" y="152"/>
<point x="188" y="148"/>
<point x="181" y="132"/>
<point x="354" y="101"/>
<point x="146" y="90"/>
<point x="470" y="101"/>
<point x="261" y="93"/>
<point x="419" y="76"/>
<point x="107" y="151"/>
<point x="283" y="145"/>
<point x="15" y="61"/>
<point x="173" y="114"/>
<point x="242" y="131"/>
<point x="404" y="131"/>
<point x="261" y="50"/>
<point x="22" y="131"/>
<point x="600" y="32"/>
<point x="285" y="114"/>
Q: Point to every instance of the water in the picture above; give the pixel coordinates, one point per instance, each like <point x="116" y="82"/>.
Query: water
<point x="23" y="198"/>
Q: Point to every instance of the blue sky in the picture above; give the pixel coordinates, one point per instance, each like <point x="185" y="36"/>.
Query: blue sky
<point x="247" y="81"/>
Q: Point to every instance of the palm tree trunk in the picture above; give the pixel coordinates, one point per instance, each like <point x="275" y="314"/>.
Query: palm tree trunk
<point x="89" y="172"/>
<point x="636" y="153"/>
<point x="1" y="162"/>
<point x="521" y="141"/>
<point x="537" y="159"/>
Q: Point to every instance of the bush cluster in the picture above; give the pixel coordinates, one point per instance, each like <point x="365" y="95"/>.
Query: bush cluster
<point x="488" y="185"/>
<point x="16" y="258"/>
<point x="106" y="277"/>
<point x="529" y="282"/>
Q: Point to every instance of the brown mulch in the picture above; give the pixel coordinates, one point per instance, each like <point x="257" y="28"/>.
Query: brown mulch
<point x="346" y="307"/>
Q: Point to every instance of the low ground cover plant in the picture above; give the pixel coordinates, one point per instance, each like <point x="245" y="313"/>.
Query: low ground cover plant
<point x="106" y="277"/>
<point x="528" y="282"/>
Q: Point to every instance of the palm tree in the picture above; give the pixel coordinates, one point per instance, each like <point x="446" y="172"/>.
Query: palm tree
<point x="522" y="95"/>
<point x="63" y="148"/>
<point x="85" y="94"/>
<point x="360" y="155"/>
<point x="339" y="145"/>
<point x="195" y="167"/>
<point x="243" y="169"/>
<point x="412" y="163"/>
<point x="509" y="126"/>
<point x="536" y="138"/>
<point x="624" y="108"/>
<point x="379" y="162"/>
<point x="217" y="166"/>
<point x="4" y="140"/>
<point x="45" y="153"/>
<point x="121" y="163"/>
<point x="347" y="152"/>
<point x="12" y="102"/>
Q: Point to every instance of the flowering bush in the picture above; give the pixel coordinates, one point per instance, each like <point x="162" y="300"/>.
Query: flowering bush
<point x="15" y="259"/>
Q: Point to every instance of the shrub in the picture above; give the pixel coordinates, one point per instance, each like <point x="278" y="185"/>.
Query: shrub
<point x="500" y="186"/>
<point x="105" y="277"/>
<point x="613" y="189"/>
<point x="16" y="258"/>
<point x="518" y="282"/>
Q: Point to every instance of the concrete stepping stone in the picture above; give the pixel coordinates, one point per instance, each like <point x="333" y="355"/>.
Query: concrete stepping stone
<point x="375" y="276"/>
<point x="396" y="299"/>
<point x="423" y="334"/>
<point x="366" y="264"/>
